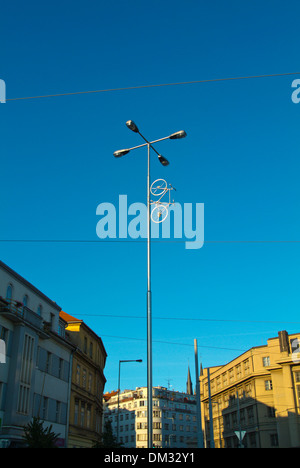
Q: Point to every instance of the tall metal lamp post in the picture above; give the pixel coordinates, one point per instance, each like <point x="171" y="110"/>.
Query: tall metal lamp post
<point x="174" y="136"/>
<point x="119" y="378"/>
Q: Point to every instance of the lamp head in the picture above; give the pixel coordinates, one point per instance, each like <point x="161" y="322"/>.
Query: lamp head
<point x="131" y="125"/>
<point x="163" y="160"/>
<point x="118" y="154"/>
<point x="177" y="135"/>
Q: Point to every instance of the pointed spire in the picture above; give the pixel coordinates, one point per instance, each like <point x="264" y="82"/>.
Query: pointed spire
<point x="189" y="385"/>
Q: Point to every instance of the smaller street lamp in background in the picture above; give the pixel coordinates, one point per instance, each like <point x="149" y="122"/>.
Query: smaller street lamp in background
<point x="120" y="362"/>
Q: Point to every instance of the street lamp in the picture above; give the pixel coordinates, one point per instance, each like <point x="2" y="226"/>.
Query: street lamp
<point x="174" y="136"/>
<point x="120" y="362"/>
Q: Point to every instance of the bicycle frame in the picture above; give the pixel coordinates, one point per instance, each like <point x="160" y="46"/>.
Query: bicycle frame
<point x="160" y="212"/>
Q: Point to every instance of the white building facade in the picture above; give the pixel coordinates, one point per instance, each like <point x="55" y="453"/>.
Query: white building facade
<point x="35" y="369"/>
<point x="174" y="418"/>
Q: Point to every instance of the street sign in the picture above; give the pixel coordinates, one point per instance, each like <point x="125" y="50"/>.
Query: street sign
<point x="240" y="435"/>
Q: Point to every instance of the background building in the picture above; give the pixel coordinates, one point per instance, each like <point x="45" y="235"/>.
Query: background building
<point x="86" y="399"/>
<point x="174" y="417"/>
<point x="257" y="396"/>
<point x="34" y="379"/>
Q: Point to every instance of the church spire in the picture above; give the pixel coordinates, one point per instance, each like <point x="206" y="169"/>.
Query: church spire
<point x="189" y="385"/>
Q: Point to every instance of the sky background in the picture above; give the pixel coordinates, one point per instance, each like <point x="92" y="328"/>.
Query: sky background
<point x="240" y="158"/>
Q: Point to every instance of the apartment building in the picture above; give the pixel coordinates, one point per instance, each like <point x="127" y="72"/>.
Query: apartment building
<point x="255" y="399"/>
<point x="87" y="384"/>
<point x="36" y="360"/>
<point x="174" y="417"/>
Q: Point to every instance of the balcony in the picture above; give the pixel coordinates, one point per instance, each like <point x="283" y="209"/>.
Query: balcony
<point x="18" y="313"/>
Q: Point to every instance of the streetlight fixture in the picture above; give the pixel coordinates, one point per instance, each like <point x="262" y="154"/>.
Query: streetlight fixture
<point x="120" y="362"/>
<point x="174" y="136"/>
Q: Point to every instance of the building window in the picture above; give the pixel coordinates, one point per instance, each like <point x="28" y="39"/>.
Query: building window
<point x="60" y="368"/>
<point x="88" y="416"/>
<point x="45" y="408"/>
<point x="3" y="334"/>
<point x="52" y="319"/>
<point x="227" y="421"/>
<point x="23" y="403"/>
<point x="78" y="374"/>
<point x="25" y="375"/>
<point x="9" y="293"/>
<point x="39" y="310"/>
<point x="82" y="414"/>
<point x="271" y="412"/>
<point x="266" y="361"/>
<point x="246" y="366"/>
<point x="48" y="362"/>
<point x="252" y="439"/>
<point x="248" y="391"/>
<point x="268" y="385"/>
<point x="76" y="411"/>
<point x="250" y="415"/>
<point x="297" y="377"/>
<point x="90" y="382"/>
<point x="57" y="412"/>
<point x="25" y="301"/>
<point x="298" y="391"/>
<point x="274" y="440"/>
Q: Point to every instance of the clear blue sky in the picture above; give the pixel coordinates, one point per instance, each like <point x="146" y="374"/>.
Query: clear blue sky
<point x="240" y="158"/>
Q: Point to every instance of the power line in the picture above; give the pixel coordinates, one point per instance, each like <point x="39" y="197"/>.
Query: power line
<point x="172" y="343"/>
<point x="213" y="80"/>
<point x="131" y="241"/>
<point x="187" y="319"/>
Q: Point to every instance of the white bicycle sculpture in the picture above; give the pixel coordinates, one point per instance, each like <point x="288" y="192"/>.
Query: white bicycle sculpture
<point x="159" y="188"/>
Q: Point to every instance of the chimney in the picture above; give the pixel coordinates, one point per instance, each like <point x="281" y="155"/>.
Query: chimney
<point x="284" y="341"/>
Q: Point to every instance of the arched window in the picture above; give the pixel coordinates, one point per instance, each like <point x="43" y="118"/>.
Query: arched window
<point x="9" y="293"/>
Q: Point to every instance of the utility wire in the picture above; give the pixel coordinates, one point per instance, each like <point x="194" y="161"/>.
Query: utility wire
<point x="192" y="319"/>
<point x="214" y="80"/>
<point x="131" y="241"/>
<point x="171" y="343"/>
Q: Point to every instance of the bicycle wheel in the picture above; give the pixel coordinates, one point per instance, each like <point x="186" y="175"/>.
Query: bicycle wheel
<point x="159" y="213"/>
<point x="158" y="187"/>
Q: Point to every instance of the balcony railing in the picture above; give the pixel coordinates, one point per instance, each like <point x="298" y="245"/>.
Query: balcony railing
<point x="17" y="312"/>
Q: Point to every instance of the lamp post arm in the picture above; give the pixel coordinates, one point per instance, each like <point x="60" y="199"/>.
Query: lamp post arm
<point x="148" y="143"/>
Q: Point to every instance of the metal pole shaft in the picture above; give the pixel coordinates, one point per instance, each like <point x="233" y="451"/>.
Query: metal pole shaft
<point x="149" y="313"/>
<point x="239" y="419"/>
<point x="118" y="413"/>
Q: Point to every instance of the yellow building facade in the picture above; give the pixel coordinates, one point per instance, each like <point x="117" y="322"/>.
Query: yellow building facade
<point x="87" y="385"/>
<point x="255" y="398"/>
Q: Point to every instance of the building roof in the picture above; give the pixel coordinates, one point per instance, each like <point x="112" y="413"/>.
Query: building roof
<point x="189" y="385"/>
<point x="73" y="320"/>
<point x="108" y="395"/>
<point x="67" y="317"/>
<point x="28" y="285"/>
